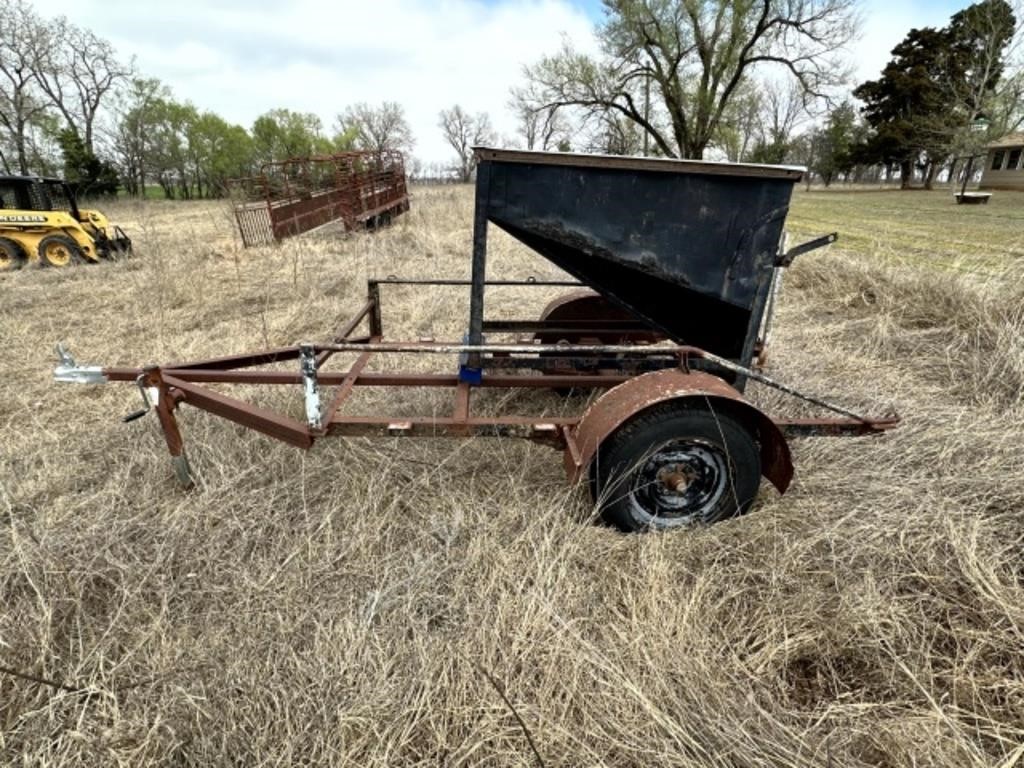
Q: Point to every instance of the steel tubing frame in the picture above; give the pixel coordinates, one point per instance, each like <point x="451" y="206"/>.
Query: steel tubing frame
<point x="186" y="382"/>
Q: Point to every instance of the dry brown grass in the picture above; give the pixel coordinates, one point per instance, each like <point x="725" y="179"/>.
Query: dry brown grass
<point x="339" y="607"/>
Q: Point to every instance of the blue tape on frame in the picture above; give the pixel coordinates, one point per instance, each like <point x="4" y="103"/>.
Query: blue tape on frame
<point x="469" y="375"/>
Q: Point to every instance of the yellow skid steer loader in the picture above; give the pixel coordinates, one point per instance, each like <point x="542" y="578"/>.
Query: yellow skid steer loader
<point x="41" y="223"/>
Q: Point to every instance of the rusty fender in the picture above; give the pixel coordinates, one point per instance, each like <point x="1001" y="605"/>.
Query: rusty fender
<point x="618" y="405"/>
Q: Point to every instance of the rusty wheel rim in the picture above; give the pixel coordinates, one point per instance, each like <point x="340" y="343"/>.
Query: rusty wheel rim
<point x="680" y="482"/>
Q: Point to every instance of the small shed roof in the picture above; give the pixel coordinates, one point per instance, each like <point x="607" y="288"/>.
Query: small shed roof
<point x="1009" y="140"/>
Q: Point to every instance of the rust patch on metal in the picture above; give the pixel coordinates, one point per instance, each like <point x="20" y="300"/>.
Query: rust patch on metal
<point x="167" y="400"/>
<point x="588" y="305"/>
<point x="618" y="405"/>
<point x="251" y="416"/>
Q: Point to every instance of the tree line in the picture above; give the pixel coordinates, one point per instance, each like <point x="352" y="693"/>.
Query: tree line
<point x="767" y="82"/>
<point x="70" y="106"/>
<point x="747" y="81"/>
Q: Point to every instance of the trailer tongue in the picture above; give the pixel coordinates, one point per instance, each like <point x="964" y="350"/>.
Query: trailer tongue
<point x="682" y="260"/>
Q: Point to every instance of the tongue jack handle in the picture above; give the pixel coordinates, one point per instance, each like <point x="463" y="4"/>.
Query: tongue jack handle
<point x="147" y="405"/>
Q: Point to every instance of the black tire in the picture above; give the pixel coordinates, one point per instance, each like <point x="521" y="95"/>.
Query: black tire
<point x="639" y="469"/>
<point x="59" y="251"/>
<point x="12" y="255"/>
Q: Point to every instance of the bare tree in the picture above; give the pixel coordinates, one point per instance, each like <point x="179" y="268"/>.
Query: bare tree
<point x="690" y="57"/>
<point x="77" y="70"/>
<point x="414" y="167"/>
<point x="740" y="123"/>
<point x="21" y="102"/>
<point x="464" y="131"/>
<point x="612" y="134"/>
<point x="1008" y="105"/>
<point x="137" y="114"/>
<point x="377" y="128"/>
<point x="783" y="107"/>
<point x="544" y="128"/>
<point x="987" y="45"/>
<point x="1006" y="109"/>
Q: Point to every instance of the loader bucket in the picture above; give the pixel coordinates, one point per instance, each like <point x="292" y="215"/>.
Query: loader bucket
<point x="687" y="246"/>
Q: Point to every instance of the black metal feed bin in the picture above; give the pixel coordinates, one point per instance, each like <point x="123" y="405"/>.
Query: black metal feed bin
<point x="688" y="247"/>
<point x="675" y="263"/>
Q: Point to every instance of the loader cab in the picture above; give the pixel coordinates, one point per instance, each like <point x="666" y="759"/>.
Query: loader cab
<point x="60" y="197"/>
<point x="15" y="194"/>
<point x="33" y="193"/>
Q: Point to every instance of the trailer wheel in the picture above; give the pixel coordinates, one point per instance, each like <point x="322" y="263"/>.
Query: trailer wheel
<point x="676" y="465"/>
<point x="12" y="255"/>
<point x="59" y="251"/>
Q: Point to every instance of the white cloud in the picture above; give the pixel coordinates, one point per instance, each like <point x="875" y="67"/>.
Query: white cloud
<point x="240" y="59"/>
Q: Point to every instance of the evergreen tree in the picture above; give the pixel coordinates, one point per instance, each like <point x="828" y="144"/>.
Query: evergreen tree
<point x="936" y="84"/>
<point x="832" y="144"/>
<point x="86" y="173"/>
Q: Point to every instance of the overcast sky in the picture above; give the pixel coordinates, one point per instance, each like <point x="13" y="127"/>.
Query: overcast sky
<point x="241" y="58"/>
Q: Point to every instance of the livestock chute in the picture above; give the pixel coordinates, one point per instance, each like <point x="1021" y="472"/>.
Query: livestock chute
<point x="359" y="189"/>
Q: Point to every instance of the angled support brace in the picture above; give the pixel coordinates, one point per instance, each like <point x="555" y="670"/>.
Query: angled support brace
<point x="166" y="402"/>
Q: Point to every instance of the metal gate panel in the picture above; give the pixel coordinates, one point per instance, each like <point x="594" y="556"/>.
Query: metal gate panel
<point x="300" y="194"/>
<point x="254" y="224"/>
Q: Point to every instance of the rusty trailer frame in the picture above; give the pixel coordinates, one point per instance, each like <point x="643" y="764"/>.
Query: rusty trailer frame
<point x="682" y="367"/>
<point x="640" y="298"/>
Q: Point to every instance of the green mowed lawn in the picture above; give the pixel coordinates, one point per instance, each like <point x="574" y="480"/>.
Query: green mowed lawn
<point x="925" y="228"/>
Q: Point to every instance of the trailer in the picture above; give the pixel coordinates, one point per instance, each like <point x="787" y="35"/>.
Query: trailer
<point x="674" y="266"/>
<point x="359" y="189"/>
